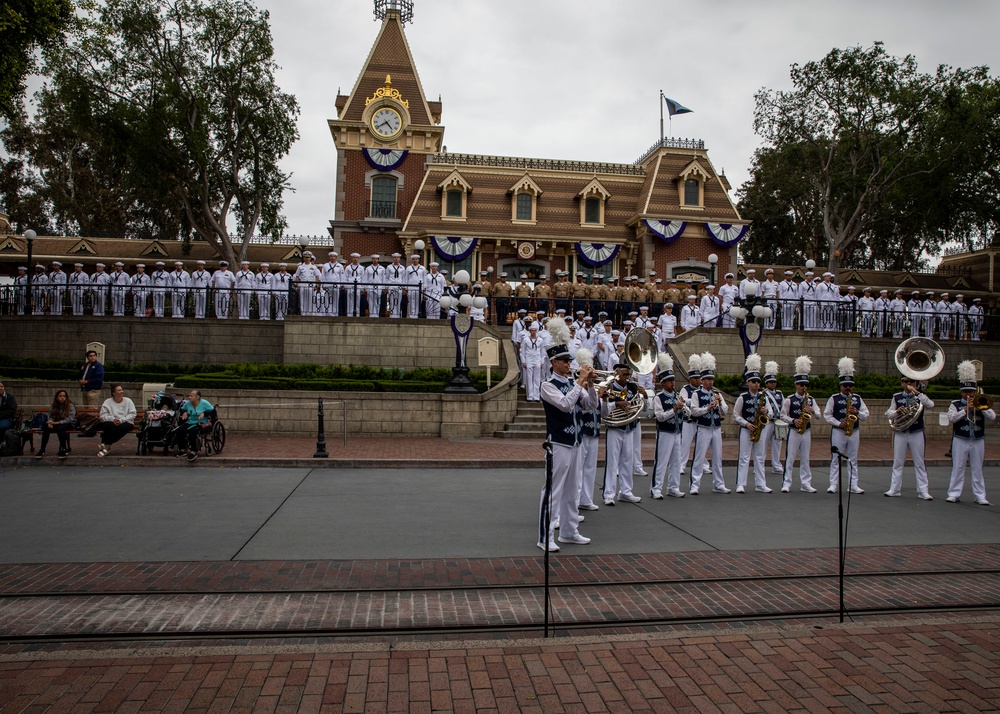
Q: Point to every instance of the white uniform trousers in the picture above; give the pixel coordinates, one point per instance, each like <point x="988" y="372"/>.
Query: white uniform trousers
<point x="76" y="300"/>
<point x="333" y="301"/>
<point x="565" y="490"/>
<point x="393" y="298"/>
<point x="374" y="299"/>
<point x="588" y="468"/>
<point x="617" y="463"/>
<point x="799" y="445"/>
<point x="637" y="448"/>
<point x="100" y="300"/>
<point x="118" y="301"/>
<point x="306" y="293"/>
<point x="532" y="381"/>
<point x="974" y="450"/>
<point x="200" y="303"/>
<point x="750" y="451"/>
<point x="666" y="463"/>
<point x="788" y="314"/>
<point x="222" y="304"/>
<point x="768" y="438"/>
<point x="243" y="304"/>
<point x="914" y="441"/>
<point x="177" y="300"/>
<point x="159" y="301"/>
<point x="413" y="302"/>
<point x="264" y="304"/>
<point x="57" y="300"/>
<point x="708" y="440"/>
<point x="848" y="447"/>
<point x="689" y="433"/>
<point x="280" y="305"/>
<point x="808" y="315"/>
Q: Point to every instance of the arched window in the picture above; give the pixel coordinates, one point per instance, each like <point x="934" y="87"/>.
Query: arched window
<point x="383" y="204"/>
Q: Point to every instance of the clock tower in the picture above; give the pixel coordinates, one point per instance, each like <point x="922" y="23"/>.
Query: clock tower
<point x="383" y="131"/>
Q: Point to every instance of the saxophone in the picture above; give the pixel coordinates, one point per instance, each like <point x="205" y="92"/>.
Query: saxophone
<point x="851" y="418"/>
<point x="805" y="417"/>
<point x="760" y="420"/>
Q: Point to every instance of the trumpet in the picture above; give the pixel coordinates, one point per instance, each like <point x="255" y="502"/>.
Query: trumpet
<point x="982" y="400"/>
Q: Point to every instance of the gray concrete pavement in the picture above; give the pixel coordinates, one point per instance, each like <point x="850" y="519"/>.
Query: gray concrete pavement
<point x="83" y="514"/>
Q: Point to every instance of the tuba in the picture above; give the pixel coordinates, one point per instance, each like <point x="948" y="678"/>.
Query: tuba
<point x="920" y="359"/>
<point x="640" y="355"/>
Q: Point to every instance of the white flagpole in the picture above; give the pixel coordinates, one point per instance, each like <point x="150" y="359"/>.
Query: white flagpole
<point x="661" y="117"/>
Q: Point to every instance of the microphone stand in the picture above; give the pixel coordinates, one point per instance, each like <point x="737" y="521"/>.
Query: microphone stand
<point x="841" y="545"/>
<point x="547" y="445"/>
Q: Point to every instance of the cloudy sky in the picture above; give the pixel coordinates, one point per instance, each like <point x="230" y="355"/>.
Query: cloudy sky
<point x="580" y="79"/>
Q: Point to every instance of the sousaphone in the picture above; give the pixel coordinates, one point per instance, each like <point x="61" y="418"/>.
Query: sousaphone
<point x="921" y="359"/>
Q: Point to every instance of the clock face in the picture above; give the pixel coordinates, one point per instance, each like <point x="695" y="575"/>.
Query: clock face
<point x="386" y="122"/>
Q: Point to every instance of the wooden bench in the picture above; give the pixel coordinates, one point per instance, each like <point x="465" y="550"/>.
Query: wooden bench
<point x="28" y="434"/>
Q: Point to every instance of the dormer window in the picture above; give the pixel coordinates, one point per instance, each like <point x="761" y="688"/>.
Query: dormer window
<point x="691" y="186"/>
<point x="455" y="192"/>
<point x="524" y="200"/>
<point x="592" y="199"/>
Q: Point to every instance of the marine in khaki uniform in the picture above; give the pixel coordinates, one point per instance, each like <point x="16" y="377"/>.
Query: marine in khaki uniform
<point x="581" y="293"/>
<point x="599" y="294"/>
<point x="485" y="286"/>
<point x="672" y="294"/>
<point x="543" y="292"/>
<point x="657" y="296"/>
<point x="501" y="298"/>
<point x="522" y="291"/>
<point x="561" y="291"/>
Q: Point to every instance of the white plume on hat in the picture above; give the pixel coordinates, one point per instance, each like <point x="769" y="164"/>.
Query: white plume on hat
<point x="707" y="362"/>
<point x="664" y="362"/>
<point x="845" y="367"/>
<point x="771" y="368"/>
<point x="694" y="363"/>
<point x="966" y="371"/>
<point x="584" y="357"/>
<point x="753" y="362"/>
<point x="560" y="332"/>
<point x="803" y="365"/>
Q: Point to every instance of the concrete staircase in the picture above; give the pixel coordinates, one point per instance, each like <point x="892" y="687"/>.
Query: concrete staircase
<point x="528" y="423"/>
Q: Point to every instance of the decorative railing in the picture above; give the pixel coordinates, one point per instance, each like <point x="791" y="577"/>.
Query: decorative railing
<point x="670" y="143"/>
<point x="516" y="162"/>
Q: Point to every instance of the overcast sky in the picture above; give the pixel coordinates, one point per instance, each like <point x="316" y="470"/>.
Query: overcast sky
<point x="580" y="79"/>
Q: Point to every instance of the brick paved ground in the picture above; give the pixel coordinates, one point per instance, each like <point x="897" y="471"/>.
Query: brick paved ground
<point x="931" y="665"/>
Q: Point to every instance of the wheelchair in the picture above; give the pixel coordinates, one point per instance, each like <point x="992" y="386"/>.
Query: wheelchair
<point x="211" y="436"/>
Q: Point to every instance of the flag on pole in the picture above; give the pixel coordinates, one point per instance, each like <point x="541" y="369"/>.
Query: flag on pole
<point x="675" y="107"/>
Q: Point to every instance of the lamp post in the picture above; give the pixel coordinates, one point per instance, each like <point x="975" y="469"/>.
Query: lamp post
<point x="29" y="238"/>
<point x="461" y="328"/>
<point x="749" y="313"/>
<point x="713" y="260"/>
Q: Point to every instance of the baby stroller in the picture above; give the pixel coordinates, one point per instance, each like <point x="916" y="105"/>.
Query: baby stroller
<point x="155" y="427"/>
<point x="211" y="434"/>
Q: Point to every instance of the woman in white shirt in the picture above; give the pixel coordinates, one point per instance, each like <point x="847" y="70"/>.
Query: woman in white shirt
<point x="117" y="419"/>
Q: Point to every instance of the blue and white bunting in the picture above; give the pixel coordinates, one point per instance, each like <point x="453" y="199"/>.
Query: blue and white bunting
<point x="726" y="234"/>
<point x="385" y="159"/>
<point x="597" y="254"/>
<point x="452" y="249"/>
<point x="669" y="231"/>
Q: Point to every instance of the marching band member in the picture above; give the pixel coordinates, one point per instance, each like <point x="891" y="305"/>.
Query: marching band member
<point x="798" y="411"/>
<point x="912" y="439"/>
<point x="590" y="432"/>
<point x="976" y="318"/>
<point x="282" y="284"/>
<point x="645" y="382"/>
<point x="563" y="401"/>
<point x="222" y="282"/>
<point x="140" y="289"/>
<point x="374" y="277"/>
<point x="690" y="314"/>
<point x="968" y="424"/>
<point x="264" y="282"/>
<point x="618" y="455"/>
<point x="415" y="273"/>
<point x="200" y="280"/>
<point x="667" y="406"/>
<point x="750" y="407"/>
<point x="57" y="287"/>
<point x="354" y="279"/>
<point x="775" y="398"/>
<point x="689" y="429"/>
<point x="845" y="412"/>
<point x="928" y="309"/>
<point x="78" y="282"/>
<point x="245" y="283"/>
<point x="395" y="276"/>
<point x="99" y="283"/>
<point x="120" y="283"/>
<point x="866" y="309"/>
<point x="769" y="291"/>
<point x="180" y="282"/>
<point x="434" y="285"/>
<point x="708" y="410"/>
<point x="160" y="279"/>
<point x="532" y="358"/>
<point x="307" y="279"/>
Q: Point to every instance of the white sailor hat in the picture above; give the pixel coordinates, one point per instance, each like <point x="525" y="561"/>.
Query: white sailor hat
<point x="99" y="265"/>
<point x="244" y="262"/>
<point x="119" y="264"/>
<point x="692" y="296"/>
<point x="375" y="256"/>
<point x="580" y="312"/>
<point x="915" y="292"/>
<point x="282" y="265"/>
<point x="851" y="287"/>
<point x="201" y="262"/>
<point x="789" y="272"/>
<point x="751" y="270"/>
<point x="23" y="267"/>
<point x="960" y="295"/>
<point x="728" y="276"/>
<point x="533" y="326"/>
<point x="332" y="252"/>
<point x="138" y="265"/>
<point x="265" y="265"/>
<point x="588" y="318"/>
<point x="56" y="262"/>
<point x="616" y="332"/>
<point x="158" y="263"/>
<point x="434" y="265"/>
<point x="898" y="291"/>
<point x="944" y="295"/>
<point x="644" y="307"/>
<point x="769" y="271"/>
<point x="539" y="312"/>
<point x="884" y="290"/>
<point x="396" y="255"/>
<point x="181" y="262"/>
<point x="930" y="293"/>
<point x="415" y="256"/>
<point x="828" y="274"/>
<point x="817" y="279"/>
<point x="39" y="267"/>
<point x="809" y="272"/>
<point x="627" y="322"/>
<point x="633" y="313"/>
<point x="77" y="265"/>
<point x="977" y="299"/>
<point x="561" y="311"/>
<point x="710" y="287"/>
<point x="867" y="290"/>
<point x="522" y="311"/>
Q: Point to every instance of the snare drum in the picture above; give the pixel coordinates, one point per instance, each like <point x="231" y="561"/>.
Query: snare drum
<point x="780" y="430"/>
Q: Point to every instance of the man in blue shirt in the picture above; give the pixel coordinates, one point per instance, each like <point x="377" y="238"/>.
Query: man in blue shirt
<point x="91" y="379"/>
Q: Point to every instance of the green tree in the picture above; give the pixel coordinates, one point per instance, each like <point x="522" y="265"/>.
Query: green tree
<point x="177" y="104"/>
<point x="863" y="132"/>
<point x="25" y="26"/>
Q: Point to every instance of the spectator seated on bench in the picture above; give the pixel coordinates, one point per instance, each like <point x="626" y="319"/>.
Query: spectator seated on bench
<point x="8" y="411"/>
<point x="62" y="418"/>
<point x="117" y="419"/>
